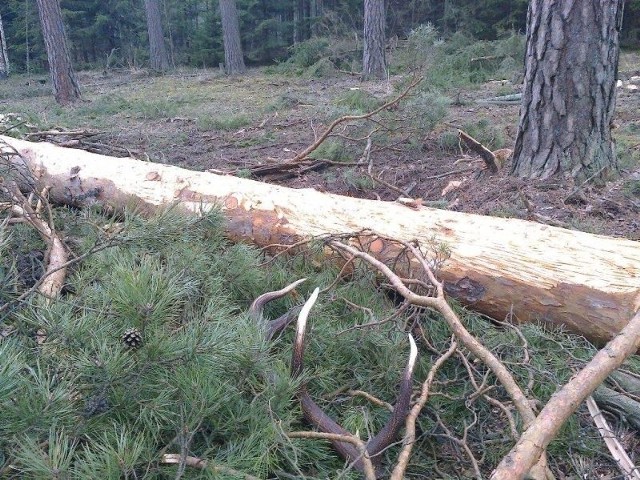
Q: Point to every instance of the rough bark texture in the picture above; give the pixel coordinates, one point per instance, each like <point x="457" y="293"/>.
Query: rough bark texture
<point x="157" y="50"/>
<point x="373" y="60"/>
<point x="569" y="96"/>
<point x="63" y="78"/>
<point x="498" y="266"/>
<point x="4" y="57"/>
<point x="233" y="61"/>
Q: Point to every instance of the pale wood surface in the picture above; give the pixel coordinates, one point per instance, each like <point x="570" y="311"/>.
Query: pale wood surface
<point x="589" y="283"/>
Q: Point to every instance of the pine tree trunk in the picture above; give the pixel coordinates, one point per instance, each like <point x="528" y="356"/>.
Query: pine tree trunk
<point x="233" y="61"/>
<point x="569" y="97"/>
<point x="315" y="10"/>
<point x="157" y="50"/>
<point x="503" y="267"/>
<point x="297" y="22"/>
<point x="4" y="58"/>
<point x="63" y="78"/>
<point x="373" y="60"/>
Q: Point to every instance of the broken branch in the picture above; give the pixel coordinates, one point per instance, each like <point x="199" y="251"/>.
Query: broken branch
<point x="539" y="433"/>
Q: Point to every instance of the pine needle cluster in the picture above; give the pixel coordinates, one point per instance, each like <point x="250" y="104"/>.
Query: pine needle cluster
<point x="202" y="381"/>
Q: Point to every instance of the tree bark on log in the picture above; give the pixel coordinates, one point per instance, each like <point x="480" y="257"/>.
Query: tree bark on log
<point x="500" y="267"/>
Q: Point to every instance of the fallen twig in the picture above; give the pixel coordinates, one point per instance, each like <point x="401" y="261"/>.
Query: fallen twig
<point x="626" y="466"/>
<point x="439" y="303"/>
<point x="57" y="257"/>
<point x="195" y="462"/>
<point x="540" y="432"/>
<point x="486" y="154"/>
<point x="347" y="118"/>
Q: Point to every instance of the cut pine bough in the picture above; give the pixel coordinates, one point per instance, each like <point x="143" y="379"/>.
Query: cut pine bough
<point x="500" y="267"/>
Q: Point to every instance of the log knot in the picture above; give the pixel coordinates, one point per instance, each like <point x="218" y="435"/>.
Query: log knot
<point x="465" y="289"/>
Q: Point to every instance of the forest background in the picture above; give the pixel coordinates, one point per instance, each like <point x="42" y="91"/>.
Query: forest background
<point x="113" y="33"/>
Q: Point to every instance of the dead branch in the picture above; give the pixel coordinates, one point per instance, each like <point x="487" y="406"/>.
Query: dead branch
<point x="57" y="257"/>
<point x="486" y="154"/>
<point x="626" y="466"/>
<point x="620" y="403"/>
<point x="371" y="398"/>
<point x="462" y="442"/>
<point x="195" y="462"/>
<point x="348" y="118"/>
<point x="369" y="471"/>
<point x="539" y="433"/>
<point x="440" y="304"/>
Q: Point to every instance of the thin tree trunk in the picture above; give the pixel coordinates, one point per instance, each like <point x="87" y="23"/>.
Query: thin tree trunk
<point x="569" y="97"/>
<point x="4" y="57"/>
<point x="373" y="60"/>
<point x="157" y="50"/>
<point x="505" y="268"/>
<point x="297" y="19"/>
<point x="315" y="14"/>
<point x="233" y="60"/>
<point x="63" y="78"/>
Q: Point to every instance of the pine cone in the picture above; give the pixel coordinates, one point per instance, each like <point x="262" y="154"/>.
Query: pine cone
<point x="132" y="338"/>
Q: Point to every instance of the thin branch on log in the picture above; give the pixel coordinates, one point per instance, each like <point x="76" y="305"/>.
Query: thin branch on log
<point x="539" y="433"/>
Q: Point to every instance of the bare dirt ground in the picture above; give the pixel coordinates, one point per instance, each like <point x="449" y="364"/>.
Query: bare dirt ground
<point x="203" y="120"/>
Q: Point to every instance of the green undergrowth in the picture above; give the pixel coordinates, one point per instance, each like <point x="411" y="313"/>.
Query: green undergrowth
<point x="460" y="60"/>
<point x="78" y="403"/>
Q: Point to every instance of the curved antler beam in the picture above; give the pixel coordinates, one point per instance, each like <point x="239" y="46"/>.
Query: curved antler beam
<point x="316" y="416"/>
<point x="274" y="327"/>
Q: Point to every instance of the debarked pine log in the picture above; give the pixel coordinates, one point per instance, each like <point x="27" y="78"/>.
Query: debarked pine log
<point x="500" y="267"/>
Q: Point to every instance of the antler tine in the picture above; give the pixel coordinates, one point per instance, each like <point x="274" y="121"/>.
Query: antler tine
<point x="256" y="309"/>
<point x="389" y="432"/>
<point x="312" y="412"/>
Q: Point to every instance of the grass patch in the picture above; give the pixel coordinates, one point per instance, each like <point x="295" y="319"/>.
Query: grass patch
<point x="358" y="101"/>
<point x="460" y="60"/>
<point x="225" y="123"/>
<point x="632" y="188"/>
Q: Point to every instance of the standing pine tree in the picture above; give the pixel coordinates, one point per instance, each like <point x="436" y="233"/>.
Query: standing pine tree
<point x="63" y="78"/>
<point x="569" y="96"/>
<point x="157" y="51"/>
<point x="233" y="60"/>
<point x="4" y="58"/>
<point x="373" y="61"/>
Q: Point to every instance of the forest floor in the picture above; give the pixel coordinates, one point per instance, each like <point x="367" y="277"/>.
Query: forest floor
<point x="204" y="120"/>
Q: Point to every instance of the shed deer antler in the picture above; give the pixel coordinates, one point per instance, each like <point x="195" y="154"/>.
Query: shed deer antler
<point x="314" y="414"/>
<point x="274" y="327"/>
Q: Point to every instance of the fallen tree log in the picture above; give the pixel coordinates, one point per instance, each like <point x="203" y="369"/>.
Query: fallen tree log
<point x="500" y="267"/>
